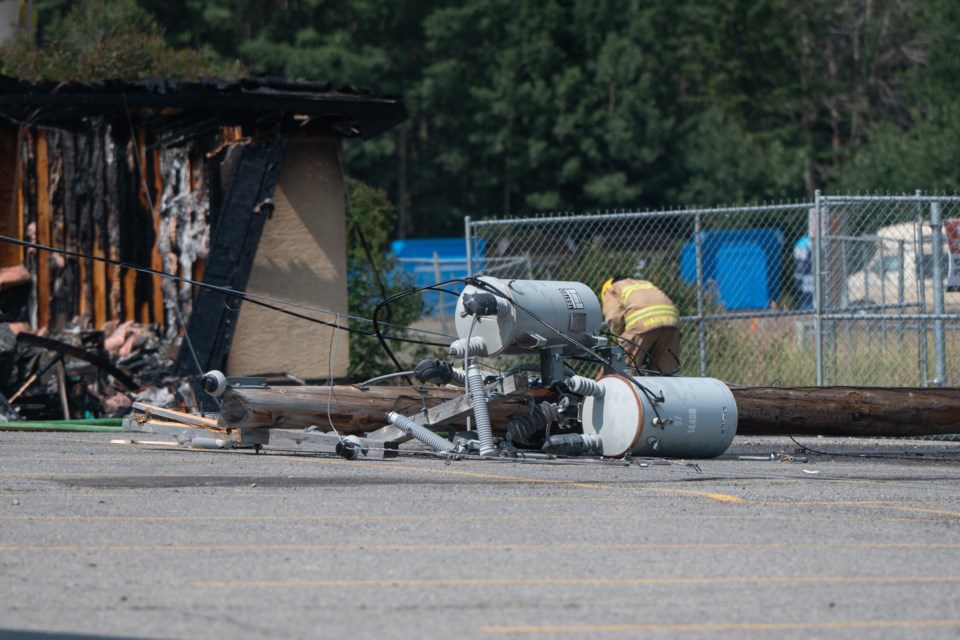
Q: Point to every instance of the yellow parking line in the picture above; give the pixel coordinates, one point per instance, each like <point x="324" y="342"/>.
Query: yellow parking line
<point x="887" y="505"/>
<point x="578" y="582"/>
<point x="359" y="517"/>
<point x="720" y="497"/>
<point x="716" y="627"/>
<point x="439" y="548"/>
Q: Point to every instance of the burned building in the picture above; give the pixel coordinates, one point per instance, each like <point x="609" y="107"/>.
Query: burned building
<point x="237" y="184"/>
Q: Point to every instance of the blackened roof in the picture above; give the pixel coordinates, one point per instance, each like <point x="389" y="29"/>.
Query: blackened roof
<point x="255" y="100"/>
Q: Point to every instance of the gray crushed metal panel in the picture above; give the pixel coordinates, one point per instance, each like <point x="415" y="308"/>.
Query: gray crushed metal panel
<point x="500" y="390"/>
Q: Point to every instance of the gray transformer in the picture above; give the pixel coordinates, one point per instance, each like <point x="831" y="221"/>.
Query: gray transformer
<point x="690" y="418"/>
<point x="570" y="308"/>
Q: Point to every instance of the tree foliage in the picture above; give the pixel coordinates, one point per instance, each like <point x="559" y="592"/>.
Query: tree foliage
<point x="525" y="106"/>
<point x="375" y="275"/>
<point x="101" y="40"/>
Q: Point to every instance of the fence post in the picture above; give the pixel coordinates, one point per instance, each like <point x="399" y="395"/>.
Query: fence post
<point x="437" y="275"/>
<point x="468" y="238"/>
<point x="701" y="325"/>
<point x="921" y="290"/>
<point x="939" y="339"/>
<point x="818" y="285"/>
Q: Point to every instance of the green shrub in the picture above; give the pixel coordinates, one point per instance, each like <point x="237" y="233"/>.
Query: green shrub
<point x="374" y="275"/>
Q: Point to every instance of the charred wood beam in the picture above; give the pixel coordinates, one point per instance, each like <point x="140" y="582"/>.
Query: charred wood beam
<point x="183" y="134"/>
<point x="234" y="240"/>
<point x="43" y="214"/>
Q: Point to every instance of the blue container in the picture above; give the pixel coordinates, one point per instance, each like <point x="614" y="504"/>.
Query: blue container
<point x="742" y="276"/>
<point x="744" y="265"/>
<point x="430" y="258"/>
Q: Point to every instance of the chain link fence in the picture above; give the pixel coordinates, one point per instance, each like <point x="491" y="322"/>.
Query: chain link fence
<point x="850" y="290"/>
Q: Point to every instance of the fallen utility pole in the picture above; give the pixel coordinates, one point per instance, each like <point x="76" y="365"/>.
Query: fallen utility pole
<point x="763" y="411"/>
<point x="853" y="412"/>
<point x="350" y="409"/>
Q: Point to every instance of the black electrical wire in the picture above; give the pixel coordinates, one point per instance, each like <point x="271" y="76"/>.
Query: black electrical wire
<point x="357" y="229"/>
<point x="880" y="456"/>
<point x="659" y="371"/>
<point x="387" y="301"/>
<point x="232" y="293"/>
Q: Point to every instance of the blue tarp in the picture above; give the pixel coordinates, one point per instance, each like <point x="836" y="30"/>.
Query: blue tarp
<point x="743" y="264"/>
<point x="433" y="260"/>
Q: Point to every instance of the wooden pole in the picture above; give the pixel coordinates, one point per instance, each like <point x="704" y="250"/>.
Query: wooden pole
<point x="854" y="412"/>
<point x="762" y="411"/>
<point x="351" y="409"/>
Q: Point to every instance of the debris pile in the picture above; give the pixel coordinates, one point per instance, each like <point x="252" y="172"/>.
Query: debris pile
<point x="81" y="373"/>
<point x="484" y="410"/>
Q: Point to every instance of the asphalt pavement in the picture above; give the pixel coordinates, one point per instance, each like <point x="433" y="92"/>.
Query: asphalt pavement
<point x="859" y="539"/>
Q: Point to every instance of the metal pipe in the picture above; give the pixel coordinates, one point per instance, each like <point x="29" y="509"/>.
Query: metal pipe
<point x="210" y="443"/>
<point x="701" y="325"/>
<point x="901" y="284"/>
<point x="628" y="215"/>
<point x="420" y="432"/>
<point x="478" y="401"/>
<point x="468" y="238"/>
<point x="918" y="197"/>
<point x="818" y="285"/>
<point x="881" y="316"/>
<point x="921" y="290"/>
<point x="939" y="338"/>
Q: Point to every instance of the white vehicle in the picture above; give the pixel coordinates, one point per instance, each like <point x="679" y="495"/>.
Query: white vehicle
<point x="889" y="280"/>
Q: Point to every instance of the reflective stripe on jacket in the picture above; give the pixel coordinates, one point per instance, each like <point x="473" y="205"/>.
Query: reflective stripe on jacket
<point x="658" y="315"/>
<point x="638" y="306"/>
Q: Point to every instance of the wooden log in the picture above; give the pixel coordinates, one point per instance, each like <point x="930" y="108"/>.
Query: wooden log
<point x="847" y="411"/>
<point x="156" y="258"/>
<point x="177" y="416"/>
<point x="11" y="222"/>
<point x="351" y="409"/>
<point x="43" y="230"/>
<point x="99" y="282"/>
<point x="763" y="411"/>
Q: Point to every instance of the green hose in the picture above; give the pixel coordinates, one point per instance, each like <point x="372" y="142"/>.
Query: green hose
<point x="96" y="424"/>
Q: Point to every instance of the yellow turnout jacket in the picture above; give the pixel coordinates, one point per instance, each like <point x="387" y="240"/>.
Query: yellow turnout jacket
<point x="637" y="306"/>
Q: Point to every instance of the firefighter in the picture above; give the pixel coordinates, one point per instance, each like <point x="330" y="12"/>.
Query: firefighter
<point x="647" y="322"/>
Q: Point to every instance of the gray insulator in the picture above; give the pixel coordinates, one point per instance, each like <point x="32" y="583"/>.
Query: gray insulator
<point x="350" y="447"/>
<point x="459" y="377"/>
<point x="214" y="383"/>
<point x="585" y="386"/>
<point x="481" y="414"/>
<point x="420" y="432"/>
<point x="572" y="444"/>
<point x="460" y="348"/>
<point x="210" y="443"/>
<point x="523" y="429"/>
